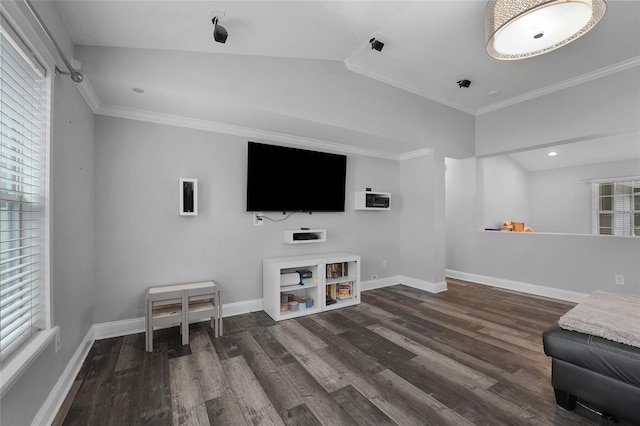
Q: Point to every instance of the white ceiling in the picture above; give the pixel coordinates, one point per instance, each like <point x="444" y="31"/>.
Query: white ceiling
<point x="166" y="48"/>
<point x="607" y="148"/>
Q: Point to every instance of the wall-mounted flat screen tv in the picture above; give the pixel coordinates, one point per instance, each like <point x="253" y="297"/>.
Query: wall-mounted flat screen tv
<point x="290" y="179"/>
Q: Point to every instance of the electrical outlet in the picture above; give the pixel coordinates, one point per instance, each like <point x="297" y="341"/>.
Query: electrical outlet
<point x="384" y="263"/>
<point x="258" y="220"/>
<point x="374" y="277"/>
<point x="619" y="279"/>
<point x="58" y="343"/>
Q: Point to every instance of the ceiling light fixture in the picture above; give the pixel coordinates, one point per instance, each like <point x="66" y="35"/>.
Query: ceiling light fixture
<point x="552" y="154"/>
<point x="220" y="33"/>
<point x="376" y="44"/>
<point x="522" y="29"/>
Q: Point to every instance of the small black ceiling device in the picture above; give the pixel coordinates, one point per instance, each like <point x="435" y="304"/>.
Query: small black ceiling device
<point x="376" y="44"/>
<point x="464" y="83"/>
<point x="220" y="33"/>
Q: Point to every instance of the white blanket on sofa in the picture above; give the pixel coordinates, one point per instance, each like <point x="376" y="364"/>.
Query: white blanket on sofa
<point x="609" y="315"/>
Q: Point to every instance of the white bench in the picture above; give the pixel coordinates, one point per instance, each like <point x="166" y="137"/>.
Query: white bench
<point x="182" y="304"/>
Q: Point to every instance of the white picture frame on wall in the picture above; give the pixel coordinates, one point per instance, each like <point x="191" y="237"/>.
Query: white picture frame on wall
<point x="188" y="197"/>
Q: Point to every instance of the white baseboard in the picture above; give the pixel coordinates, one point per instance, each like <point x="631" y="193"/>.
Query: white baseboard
<point x="539" y="290"/>
<point x="107" y="330"/>
<point x="239" y="308"/>
<point x="424" y="285"/>
<point x="136" y="325"/>
<point x="379" y="283"/>
<point x="408" y="281"/>
<point x="52" y="404"/>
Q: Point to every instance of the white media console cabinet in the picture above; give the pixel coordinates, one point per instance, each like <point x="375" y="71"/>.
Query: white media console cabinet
<point x="334" y="283"/>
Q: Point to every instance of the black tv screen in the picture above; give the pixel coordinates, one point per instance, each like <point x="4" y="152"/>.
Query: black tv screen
<point x="290" y="179"/>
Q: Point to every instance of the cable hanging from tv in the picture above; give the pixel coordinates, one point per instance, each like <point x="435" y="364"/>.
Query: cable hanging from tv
<point x="283" y="218"/>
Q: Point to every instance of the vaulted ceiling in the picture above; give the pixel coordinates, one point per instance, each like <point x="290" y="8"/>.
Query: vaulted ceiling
<point x="281" y="55"/>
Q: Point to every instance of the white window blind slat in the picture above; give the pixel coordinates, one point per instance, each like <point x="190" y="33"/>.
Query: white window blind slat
<point x="20" y="264"/>
<point x="15" y="278"/>
<point x="16" y="321"/>
<point x="11" y="250"/>
<point x="8" y="304"/>
<point x="22" y="149"/>
<point x="28" y="281"/>
<point x="19" y="308"/>
<point x="618" y="207"/>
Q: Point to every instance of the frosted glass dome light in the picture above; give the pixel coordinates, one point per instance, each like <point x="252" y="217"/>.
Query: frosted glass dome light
<point x="522" y="29"/>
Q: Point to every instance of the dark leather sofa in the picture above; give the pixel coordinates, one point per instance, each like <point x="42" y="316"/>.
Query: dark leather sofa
<point x="602" y="374"/>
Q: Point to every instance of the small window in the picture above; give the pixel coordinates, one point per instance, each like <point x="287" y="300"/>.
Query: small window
<point x="617" y="207"/>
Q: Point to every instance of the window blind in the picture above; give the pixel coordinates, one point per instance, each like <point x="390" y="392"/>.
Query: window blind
<point x="618" y="208"/>
<point x="22" y="150"/>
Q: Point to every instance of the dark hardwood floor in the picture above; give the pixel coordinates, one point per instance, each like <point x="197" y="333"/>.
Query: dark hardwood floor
<point x="471" y="355"/>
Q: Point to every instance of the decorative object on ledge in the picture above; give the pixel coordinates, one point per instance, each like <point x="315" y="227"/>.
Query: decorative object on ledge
<point x="522" y="29"/>
<point x="188" y="197"/>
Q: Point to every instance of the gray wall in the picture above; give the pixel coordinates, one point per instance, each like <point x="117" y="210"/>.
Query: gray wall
<point x="560" y="199"/>
<point x="72" y="178"/>
<point x="141" y="241"/>
<point x="506" y="195"/>
<point x="604" y="105"/>
<point x="580" y="263"/>
<point x="556" y="200"/>
<point x="422" y="233"/>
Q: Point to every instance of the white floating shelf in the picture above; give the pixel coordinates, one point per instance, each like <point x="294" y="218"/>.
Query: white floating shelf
<point x="305" y="236"/>
<point x="368" y="200"/>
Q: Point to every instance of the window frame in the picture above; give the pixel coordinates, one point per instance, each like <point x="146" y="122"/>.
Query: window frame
<point x="17" y="25"/>
<point x="597" y="197"/>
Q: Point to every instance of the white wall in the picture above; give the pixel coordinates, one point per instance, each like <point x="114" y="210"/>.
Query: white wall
<point x="141" y="241"/>
<point x="505" y="192"/>
<point x="561" y="201"/>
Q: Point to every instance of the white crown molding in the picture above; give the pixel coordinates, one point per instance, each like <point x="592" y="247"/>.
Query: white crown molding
<point x="357" y="68"/>
<point x="555" y="293"/>
<point x="213" y="126"/>
<point x="584" y="78"/>
<point x="615" y="68"/>
<point x="415" y="154"/>
<point x="86" y="90"/>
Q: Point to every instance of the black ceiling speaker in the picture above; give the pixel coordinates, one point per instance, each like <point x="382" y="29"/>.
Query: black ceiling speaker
<point x="220" y="33"/>
<point x="464" y="83"/>
<point x="376" y="44"/>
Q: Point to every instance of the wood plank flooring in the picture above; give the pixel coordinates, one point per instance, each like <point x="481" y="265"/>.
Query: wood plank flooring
<point x="469" y="356"/>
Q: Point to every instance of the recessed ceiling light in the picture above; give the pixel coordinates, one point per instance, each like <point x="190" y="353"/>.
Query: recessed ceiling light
<point x="552" y="154"/>
<point x="494" y="93"/>
<point x="138" y="90"/>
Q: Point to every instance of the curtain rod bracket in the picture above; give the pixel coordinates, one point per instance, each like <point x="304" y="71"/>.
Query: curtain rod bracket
<point x="74" y="74"/>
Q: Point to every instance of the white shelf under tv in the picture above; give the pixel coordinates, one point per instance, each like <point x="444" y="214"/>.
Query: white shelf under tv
<point x="272" y="289"/>
<point x="294" y="236"/>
